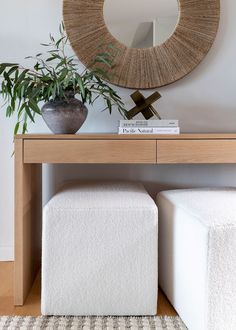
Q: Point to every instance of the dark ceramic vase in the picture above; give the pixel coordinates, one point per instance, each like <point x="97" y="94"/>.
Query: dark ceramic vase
<point x="64" y="116"/>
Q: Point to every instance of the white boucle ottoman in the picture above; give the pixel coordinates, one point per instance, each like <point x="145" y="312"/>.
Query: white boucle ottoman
<point x="99" y="254"/>
<point x="197" y="255"/>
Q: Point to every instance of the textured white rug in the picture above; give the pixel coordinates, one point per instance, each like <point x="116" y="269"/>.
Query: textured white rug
<point x="87" y="323"/>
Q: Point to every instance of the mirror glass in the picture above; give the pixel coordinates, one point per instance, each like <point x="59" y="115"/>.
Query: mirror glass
<point x="141" y="23"/>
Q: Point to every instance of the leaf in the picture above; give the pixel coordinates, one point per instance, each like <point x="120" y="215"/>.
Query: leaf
<point x="29" y="113"/>
<point x="24" y="130"/>
<point x="107" y="54"/>
<point x="20" y="111"/>
<point x="95" y="99"/>
<point x="7" y="78"/>
<point x="21" y="77"/>
<point x="53" y="51"/>
<point x="16" y="128"/>
<point x="51" y="59"/>
<point x="13" y="69"/>
<point x="109" y="105"/>
<point x="34" y="107"/>
<point x="37" y="66"/>
<point x="8" y="64"/>
<point x="101" y="59"/>
<point x="21" y="91"/>
<point x="81" y="87"/>
<point x="62" y="27"/>
<point x="61" y="63"/>
<point x="51" y="37"/>
<point x="59" y="41"/>
<point x="3" y="66"/>
<point x="63" y="75"/>
<point x="13" y="103"/>
<point x="45" y="79"/>
<point x="9" y="111"/>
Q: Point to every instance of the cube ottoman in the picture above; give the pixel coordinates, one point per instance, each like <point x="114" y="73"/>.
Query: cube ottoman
<point x="197" y="255"/>
<point x="99" y="251"/>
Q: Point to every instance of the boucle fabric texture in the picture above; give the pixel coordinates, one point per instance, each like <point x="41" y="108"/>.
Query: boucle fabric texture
<point x="87" y="323"/>
<point x="197" y="255"/>
<point x="99" y="254"/>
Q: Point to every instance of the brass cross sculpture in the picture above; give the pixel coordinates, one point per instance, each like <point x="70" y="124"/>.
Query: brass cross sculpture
<point x="144" y="105"/>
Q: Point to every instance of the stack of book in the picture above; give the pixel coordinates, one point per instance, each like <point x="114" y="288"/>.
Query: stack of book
<point x="162" y="126"/>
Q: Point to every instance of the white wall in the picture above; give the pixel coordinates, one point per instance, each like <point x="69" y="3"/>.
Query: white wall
<point x="204" y="101"/>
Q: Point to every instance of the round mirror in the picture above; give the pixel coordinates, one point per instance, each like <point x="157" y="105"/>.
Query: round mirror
<point x="194" y="23"/>
<point x="141" y="23"/>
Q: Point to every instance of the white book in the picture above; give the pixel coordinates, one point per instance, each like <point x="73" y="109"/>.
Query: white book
<point x="149" y="123"/>
<point x="149" y="130"/>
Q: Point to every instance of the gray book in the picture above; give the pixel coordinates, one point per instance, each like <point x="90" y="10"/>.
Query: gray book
<point x="149" y="123"/>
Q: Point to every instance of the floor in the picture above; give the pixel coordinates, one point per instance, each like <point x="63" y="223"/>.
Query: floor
<point x="32" y="305"/>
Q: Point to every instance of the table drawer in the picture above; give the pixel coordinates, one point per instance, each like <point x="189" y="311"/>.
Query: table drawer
<point x="90" y="151"/>
<point x="196" y="151"/>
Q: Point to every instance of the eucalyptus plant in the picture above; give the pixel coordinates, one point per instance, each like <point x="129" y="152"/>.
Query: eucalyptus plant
<point x="54" y="75"/>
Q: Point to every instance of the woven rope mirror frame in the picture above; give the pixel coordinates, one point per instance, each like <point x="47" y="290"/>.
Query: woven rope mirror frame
<point x="150" y="67"/>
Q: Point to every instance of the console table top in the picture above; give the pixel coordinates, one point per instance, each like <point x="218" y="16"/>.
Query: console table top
<point x="114" y="136"/>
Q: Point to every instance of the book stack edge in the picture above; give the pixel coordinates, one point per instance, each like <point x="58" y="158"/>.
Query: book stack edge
<point x="162" y="126"/>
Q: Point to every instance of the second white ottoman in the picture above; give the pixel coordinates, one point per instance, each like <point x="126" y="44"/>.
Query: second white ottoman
<point x="100" y="251"/>
<point x="197" y="255"/>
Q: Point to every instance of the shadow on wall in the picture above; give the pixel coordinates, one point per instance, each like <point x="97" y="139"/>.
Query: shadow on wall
<point x="154" y="177"/>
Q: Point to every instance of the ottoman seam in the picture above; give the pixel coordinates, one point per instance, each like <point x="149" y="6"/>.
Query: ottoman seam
<point x="101" y="208"/>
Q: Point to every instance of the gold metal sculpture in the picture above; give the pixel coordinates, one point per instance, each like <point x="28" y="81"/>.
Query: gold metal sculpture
<point x="144" y="105"/>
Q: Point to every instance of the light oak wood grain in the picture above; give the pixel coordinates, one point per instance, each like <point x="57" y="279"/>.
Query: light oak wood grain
<point x="33" y="150"/>
<point x="28" y="205"/>
<point x="86" y="151"/>
<point x="104" y="136"/>
<point x="196" y="152"/>
<point x="151" y="67"/>
<point x="32" y="304"/>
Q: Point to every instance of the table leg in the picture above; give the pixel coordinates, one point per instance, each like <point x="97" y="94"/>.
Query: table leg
<point x="28" y="220"/>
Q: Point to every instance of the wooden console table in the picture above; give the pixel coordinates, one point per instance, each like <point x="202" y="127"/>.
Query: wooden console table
<point x="31" y="151"/>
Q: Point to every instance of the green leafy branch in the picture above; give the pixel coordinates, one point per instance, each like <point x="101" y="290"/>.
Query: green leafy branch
<point x="53" y="76"/>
